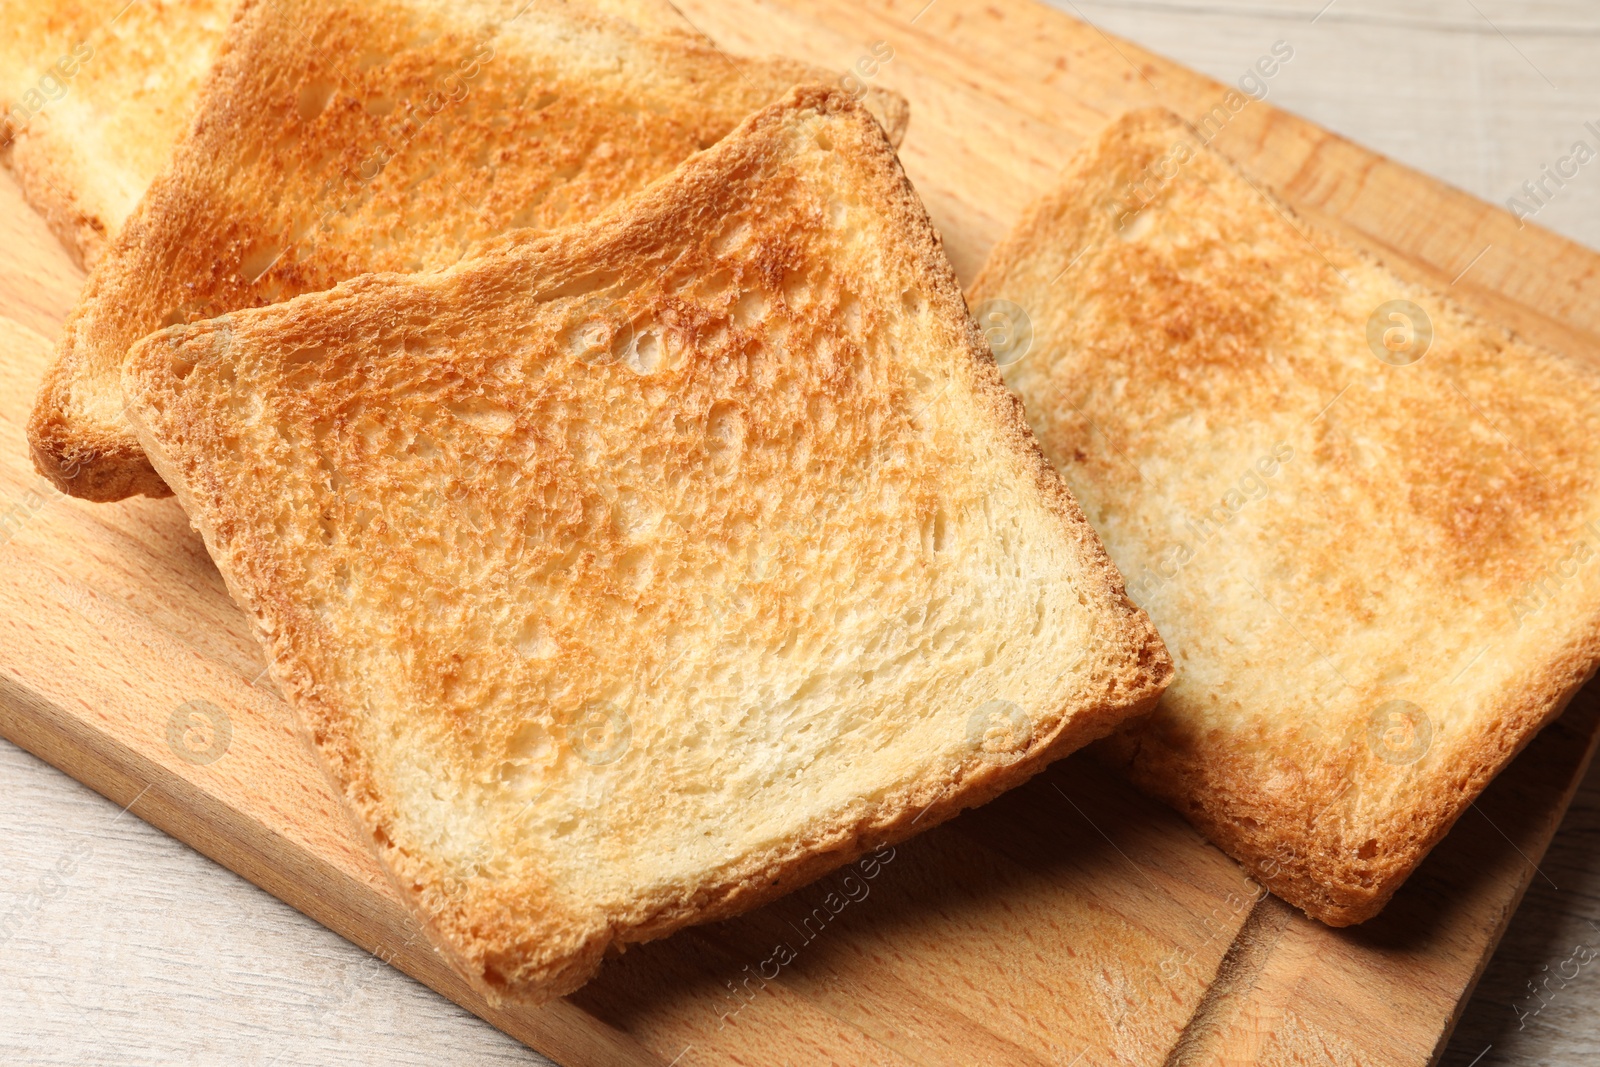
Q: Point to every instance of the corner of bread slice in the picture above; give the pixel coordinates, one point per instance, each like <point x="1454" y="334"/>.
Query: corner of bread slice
<point x="631" y="577"/>
<point x="1375" y="605"/>
<point x="41" y="165"/>
<point x="891" y="110"/>
<point x="1141" y="124"/>
<point x="79" y="440"/>
<point x="1100" y="192"/>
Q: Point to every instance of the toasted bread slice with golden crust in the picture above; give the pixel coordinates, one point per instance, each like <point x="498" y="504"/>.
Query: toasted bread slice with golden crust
<point x="339" y="138"/>
<point x="1362" y="518"/>
<point x="93" y="95"/>
<point x="632" y="577"/>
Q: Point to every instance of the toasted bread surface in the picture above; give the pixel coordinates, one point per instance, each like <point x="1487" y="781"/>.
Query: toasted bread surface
<point x="1361" y="517"/>
<point x="93" y="95"/>
<point x="333" y="139"/>
<point x="631" y="577"/>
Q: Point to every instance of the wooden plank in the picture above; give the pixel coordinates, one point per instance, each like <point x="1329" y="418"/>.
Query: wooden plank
<point x="1070" y="921"/>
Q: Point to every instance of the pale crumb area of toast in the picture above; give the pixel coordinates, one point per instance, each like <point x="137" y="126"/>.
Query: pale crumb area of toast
<point x="336" y="139"/>
<point x="105" y="89"/>
<point x="1317" y="533"/>
<point x="629" y="578"/>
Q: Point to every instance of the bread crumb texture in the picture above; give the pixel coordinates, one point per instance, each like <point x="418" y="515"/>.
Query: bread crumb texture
<point x="630" y="577"/>
<point x="1364" y="520"/>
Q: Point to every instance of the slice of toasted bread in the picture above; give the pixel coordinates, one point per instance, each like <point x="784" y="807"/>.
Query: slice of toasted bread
<point x="1360" y="516"/>
<point x="629" y="578"/>
<point x="339" y="138"/>
<point x="93" y="95"/>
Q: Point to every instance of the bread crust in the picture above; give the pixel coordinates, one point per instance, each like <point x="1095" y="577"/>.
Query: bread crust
<point x="532" y="955"/>
<point x="1319" y="872"/>
<point x="1204" y="305"/>
<point x="35" y="163"/>
<point x="296" y="174"/>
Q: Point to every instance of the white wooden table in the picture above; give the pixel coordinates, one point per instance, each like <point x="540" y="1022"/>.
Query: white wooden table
<point x="120" y="946"/>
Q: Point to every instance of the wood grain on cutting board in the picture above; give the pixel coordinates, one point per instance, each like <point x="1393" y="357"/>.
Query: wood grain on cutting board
<point x="1070" y="921"/>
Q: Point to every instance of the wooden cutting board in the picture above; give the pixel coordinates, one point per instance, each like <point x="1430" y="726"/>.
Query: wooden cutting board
<point x="1070" y="922"/>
